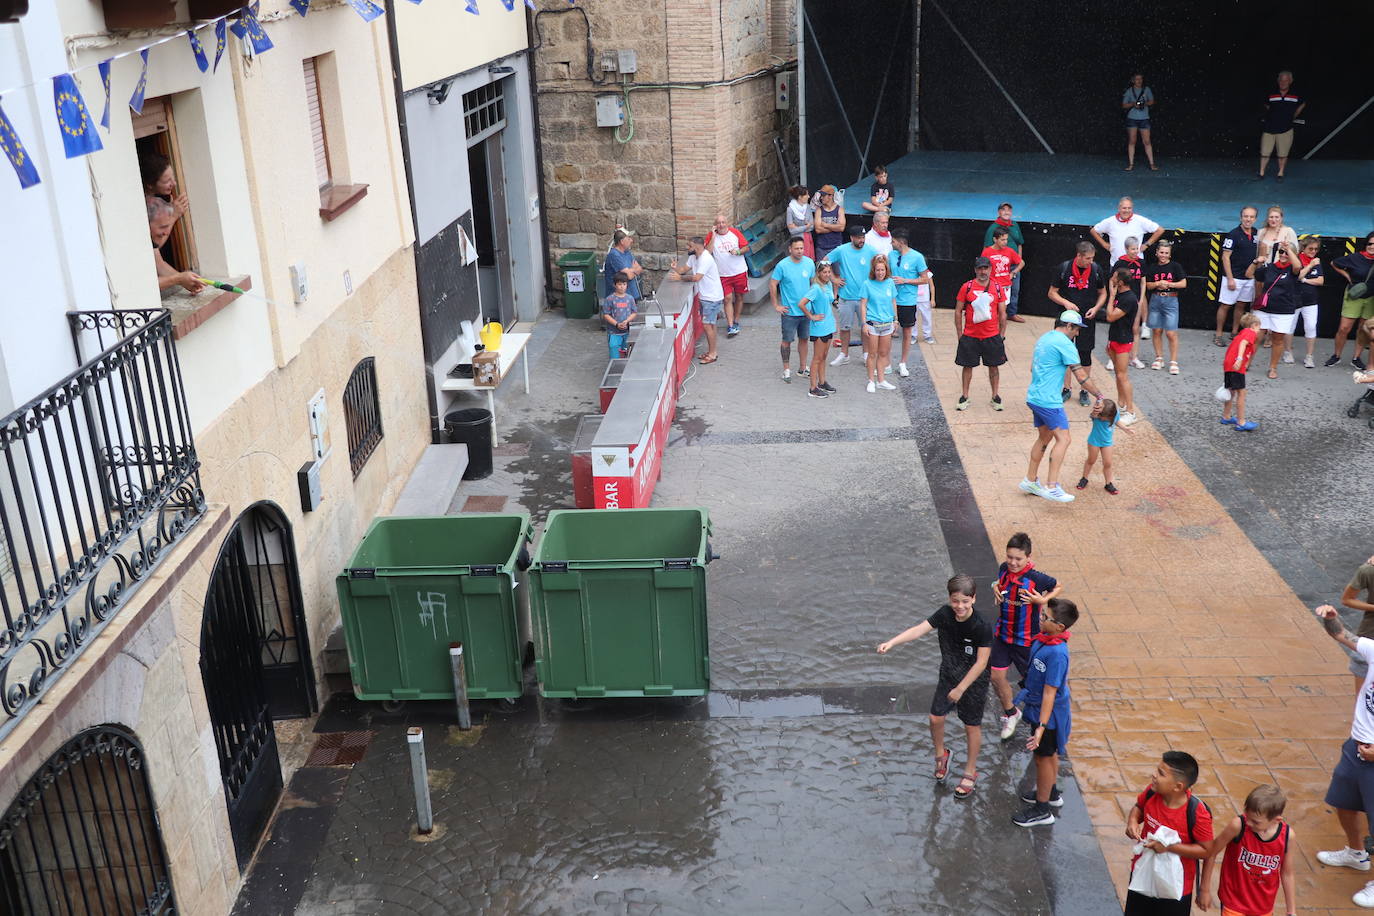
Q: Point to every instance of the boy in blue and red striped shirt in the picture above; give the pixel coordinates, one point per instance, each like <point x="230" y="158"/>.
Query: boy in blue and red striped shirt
<point x="1018" y="621"/>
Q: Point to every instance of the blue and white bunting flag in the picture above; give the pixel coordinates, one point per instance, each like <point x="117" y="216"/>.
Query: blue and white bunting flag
<point x="198" y="50"/>
<point x="104" y="68"/>
<point x="136" y="100"/>
<point x="366" y="9"/>
<point x="249" y="30"/>
<point x="79" y="135"/>
<point x="220" y="41"/>
<point x="472" y="7"/>
<point x="16" y="154"/>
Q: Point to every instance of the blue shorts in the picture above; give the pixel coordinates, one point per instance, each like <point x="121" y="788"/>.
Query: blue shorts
<point x="1163" y="312"/>
<point x="710" y="311"/>
<point x="1142" y="123"/>
<point x="1051" y="417"/>
<point x="1352" y="782"/>
<point x="1005" y="654"/>
<point x="794" y="326"/>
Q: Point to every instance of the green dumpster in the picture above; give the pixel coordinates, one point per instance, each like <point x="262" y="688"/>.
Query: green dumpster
<point x="579" y="284"/>
<point x="618" y="598"/>
<point x="415" y="586"/>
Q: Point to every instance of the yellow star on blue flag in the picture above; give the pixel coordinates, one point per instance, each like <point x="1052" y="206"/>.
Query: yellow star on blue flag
<point x="221" y="39"/>
<point x="16" y="154"/>
<point x="248" y="29"/>
<point x="104" y="68"/>
<point x="136" y="100"/>
<point x="366" y="9"/>
<point x="198" y="50"/>
<point x="301" y="6"/>
<point x="79" y="136"/>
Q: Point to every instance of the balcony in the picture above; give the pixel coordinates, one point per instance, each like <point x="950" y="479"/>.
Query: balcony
<point x="98" y="480"/>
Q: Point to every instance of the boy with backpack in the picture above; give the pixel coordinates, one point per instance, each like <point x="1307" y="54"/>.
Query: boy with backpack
<point x="1169" y="802"/>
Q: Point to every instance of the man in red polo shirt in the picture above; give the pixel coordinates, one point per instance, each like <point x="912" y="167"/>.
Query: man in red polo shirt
<point x="980" y="320"/>
<point x="728" y="245"/>
<point x="1006" y="263"/>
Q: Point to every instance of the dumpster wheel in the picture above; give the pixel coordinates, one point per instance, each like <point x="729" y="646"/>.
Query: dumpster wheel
<point x="393" y="705"/>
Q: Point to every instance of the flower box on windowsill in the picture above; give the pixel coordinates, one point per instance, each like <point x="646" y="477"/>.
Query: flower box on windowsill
<point x="335" y="199"/>
<point x="190" y="311"/>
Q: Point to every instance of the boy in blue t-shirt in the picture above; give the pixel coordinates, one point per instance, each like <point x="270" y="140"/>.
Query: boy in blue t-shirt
<point x="617" y="311"/>
<point x="1046" y="701"/>
<point x="1019" y="583"/>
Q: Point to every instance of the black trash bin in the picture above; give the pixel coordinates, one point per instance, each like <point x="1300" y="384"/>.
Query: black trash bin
<point x="472" y="427"/>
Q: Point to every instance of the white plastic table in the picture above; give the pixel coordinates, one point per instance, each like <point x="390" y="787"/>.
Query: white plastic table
<point x="512" y="348"/>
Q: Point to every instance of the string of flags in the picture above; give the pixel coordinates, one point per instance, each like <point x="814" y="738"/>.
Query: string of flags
<point x="74" y="119"/>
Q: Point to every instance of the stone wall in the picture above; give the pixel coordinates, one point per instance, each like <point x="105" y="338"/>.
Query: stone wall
<point x="696" y="150"/>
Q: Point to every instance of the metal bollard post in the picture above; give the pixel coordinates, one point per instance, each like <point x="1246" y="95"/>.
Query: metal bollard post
<point x="419" y="772"/>
<point x="460" y="684"/>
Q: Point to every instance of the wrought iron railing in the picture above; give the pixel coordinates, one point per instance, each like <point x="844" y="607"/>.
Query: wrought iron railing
<point x="98" y="478"/>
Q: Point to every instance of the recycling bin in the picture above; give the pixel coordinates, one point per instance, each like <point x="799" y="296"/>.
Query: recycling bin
<point x="618" y="603"/>
<point x="579" y="284"/>
<point x="417" y="585"/>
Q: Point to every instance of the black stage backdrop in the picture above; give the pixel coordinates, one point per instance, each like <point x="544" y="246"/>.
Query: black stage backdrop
<point x="1066" y="63"/>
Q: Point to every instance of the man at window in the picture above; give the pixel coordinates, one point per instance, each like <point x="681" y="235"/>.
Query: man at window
<point x="161" y="217"/>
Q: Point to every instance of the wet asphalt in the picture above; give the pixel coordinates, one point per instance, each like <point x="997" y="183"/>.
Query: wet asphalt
<point x="803" y="784"/>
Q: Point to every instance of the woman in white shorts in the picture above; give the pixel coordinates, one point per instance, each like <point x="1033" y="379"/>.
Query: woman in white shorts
<point x="878" y="321"/>
<point x="1276" y="297"/>
<point x="1273" y="237"/>
<point x="1310" y="280"/>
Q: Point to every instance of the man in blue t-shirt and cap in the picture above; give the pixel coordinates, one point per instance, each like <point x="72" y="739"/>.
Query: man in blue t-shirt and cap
<point x="1055" y="352"/>
<point x="621" y="258"/>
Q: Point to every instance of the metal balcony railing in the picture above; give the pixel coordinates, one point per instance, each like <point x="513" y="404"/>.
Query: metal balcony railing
<point x="98" y="479"/>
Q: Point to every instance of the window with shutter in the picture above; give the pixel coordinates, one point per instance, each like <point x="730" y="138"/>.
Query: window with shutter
<point x="316" y="112"/>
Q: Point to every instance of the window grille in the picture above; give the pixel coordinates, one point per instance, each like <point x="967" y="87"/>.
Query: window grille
<point x="484" y="112"/>
<point x="362" y="414"/>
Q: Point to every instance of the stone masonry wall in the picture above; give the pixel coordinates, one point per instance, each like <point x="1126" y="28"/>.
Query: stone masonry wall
<point x="696" y="150"/>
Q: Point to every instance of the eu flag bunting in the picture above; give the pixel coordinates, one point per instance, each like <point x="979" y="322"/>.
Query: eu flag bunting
<point x="248" y="29"/>
<point x="136" y="100"/>
<point x="509" y="4"/>
<point x="16" y="154"/>
<point x="366" y="9"/>
<point x="104" y="68"/>
<point x="79" y="136"/>
<point x="198" y="50"/>
<point x="472" y="7"/>
<point x="220" y="41"/>
<point x="301" y="6"/>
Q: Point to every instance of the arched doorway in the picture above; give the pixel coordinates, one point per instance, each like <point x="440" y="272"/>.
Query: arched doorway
<point x="81" y="838"/>
<point x="255" y="662"/>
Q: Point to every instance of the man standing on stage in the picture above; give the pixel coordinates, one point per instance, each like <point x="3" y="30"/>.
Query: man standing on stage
<point x="1014" y="241"/>
<point x="1127" y="224"/>
<point x="728" y="245"/>
<point x="1281" y="109"/>
<point x="1238" y="249"/>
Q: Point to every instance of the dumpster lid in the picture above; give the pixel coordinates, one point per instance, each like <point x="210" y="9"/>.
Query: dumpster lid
<point x="578" y="259"/>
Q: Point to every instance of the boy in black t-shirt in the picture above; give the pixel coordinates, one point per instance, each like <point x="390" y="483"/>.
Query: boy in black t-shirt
<point x="1080" y="285"/>
<point x="965" y="646"/>
<point x="881" y="194"/>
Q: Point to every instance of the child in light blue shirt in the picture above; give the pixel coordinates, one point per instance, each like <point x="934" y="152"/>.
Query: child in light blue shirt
<point x="1103" y="416"/>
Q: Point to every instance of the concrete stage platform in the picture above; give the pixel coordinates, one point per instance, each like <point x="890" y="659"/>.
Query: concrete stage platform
<point x="1328" y="198"/>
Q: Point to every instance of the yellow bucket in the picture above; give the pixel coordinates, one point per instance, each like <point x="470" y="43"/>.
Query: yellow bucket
<point x="491" y="335"/>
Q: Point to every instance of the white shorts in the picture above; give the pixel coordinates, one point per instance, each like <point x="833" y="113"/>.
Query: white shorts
<point x="1244" y="292"/>
<point x="1308" y="314"/>
<point x="1279" y="324"/>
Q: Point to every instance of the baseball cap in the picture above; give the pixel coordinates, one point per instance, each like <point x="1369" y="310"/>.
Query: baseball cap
<point x="856" y="230"/>
<point x="981" y="262"/>
<point x="1070" y="317"/>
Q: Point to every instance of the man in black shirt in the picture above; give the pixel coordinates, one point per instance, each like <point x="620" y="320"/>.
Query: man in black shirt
<point x="1281" y="109"/>
<point x="1081" y="285"/>
<point x="1238" y="249"/>
<point x="1277" y="295"/>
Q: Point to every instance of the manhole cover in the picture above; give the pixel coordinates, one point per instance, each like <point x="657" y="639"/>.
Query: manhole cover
<point x="339" y="749"/>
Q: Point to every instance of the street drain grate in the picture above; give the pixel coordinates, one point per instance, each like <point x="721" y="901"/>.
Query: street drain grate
<point x="339" y="749"/>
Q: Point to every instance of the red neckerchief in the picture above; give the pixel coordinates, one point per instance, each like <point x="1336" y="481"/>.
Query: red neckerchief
<point x="882" y="235"/>
<point x="1010" y="583"/>
<point x="1003" y="222"/>
<point x="1054" y="640"/>
<point x="1367" y="256"/>
<point x="1133" y="261"/>
<point x="1126" y="220"/>
<point x="1305" y="261"/>
<point x="1080" y="280"/>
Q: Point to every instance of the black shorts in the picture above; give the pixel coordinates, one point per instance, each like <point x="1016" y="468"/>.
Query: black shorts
<point x="989" y="351"/>
<point x="826" y="339"/>
<point x="1085" y="344"/>
<point x="1004" y="655"/>
<point x="1352" y="782"/>
<point x="1234" y="381"/>
<point x="1139" y="905"/>
<point x="971" y="704"/>
<point x="906" y="316"/>
<point x="1049" y="743"/>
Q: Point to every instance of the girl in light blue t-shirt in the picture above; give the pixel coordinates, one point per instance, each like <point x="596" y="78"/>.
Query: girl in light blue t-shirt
<point x="878" y="312"/>
<point x="819" y="306"/>
<point x="1100" y="443"/>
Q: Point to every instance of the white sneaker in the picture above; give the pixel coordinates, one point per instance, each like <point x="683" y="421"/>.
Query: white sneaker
<point x="872" y="388"/>
<point x="902" y="370"/>
<point x="1136" y="363"/>
<point x="1365" y="896"/>
<point x="1056" y="494"/>
<point x="840" y="360"/>
<point x="1126" y="418"/>
<point x="913" y="335"/>
<point x="1032" y="487"/>
<point x="1288" y="356"/>
<point x="787" y="375"/>
<point x="1307" y="362"/>
<point x="1009" y="724"/>
<point x="1357" y="859"/>
<point x="930" y="340"/>
<point x="888" y="385"/>
<point x="1145" y="332"/>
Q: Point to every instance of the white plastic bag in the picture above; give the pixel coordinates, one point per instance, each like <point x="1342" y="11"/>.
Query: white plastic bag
<point x="1158" y="874"/>
<point x="1223" y="394"/>
<point x="982" y="306"/>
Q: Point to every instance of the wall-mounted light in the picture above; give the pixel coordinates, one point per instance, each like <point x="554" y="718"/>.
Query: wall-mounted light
<point x="500" y="71"/>
<point x="437" y="95"/>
